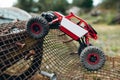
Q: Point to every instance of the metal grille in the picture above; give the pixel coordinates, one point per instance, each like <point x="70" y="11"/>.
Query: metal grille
<point x="20" y="56"/>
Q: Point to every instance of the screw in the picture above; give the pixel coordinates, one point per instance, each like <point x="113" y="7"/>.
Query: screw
<point x="31" y="52"/>
<point x="20" y="44"/>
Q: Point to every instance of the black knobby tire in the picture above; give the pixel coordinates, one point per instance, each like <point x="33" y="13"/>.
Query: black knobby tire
<point x="92" y="58"/>
<point x="37" y="27"/>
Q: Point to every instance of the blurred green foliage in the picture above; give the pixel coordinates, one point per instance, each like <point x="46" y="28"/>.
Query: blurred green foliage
<point x="25" y="4"/>
<point x="87" y="5"/>
<point x="54" y="5"/>
<point x="111" y="4"/>
<point x="42" y="5"/>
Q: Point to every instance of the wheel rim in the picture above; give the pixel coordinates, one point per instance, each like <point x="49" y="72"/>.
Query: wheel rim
<point x="36" y="28"/>
<point x="93" y="58"/>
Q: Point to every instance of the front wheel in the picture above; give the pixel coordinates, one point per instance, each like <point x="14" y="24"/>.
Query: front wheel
<point x="92" y="58"/>
<point x="37" y="27"/>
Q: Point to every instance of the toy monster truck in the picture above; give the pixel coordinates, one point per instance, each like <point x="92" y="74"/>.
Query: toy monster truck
<point x="92" y="58"/>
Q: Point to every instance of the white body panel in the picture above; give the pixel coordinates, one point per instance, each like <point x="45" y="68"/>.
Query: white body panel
<point x="72" y="27"/>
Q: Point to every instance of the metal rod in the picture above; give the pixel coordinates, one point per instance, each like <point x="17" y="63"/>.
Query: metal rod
<point x="52" y="76"/>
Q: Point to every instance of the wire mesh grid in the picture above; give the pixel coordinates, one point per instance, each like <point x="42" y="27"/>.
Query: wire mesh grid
<point x="59" y="57"/>
<point x="21" y="56"/>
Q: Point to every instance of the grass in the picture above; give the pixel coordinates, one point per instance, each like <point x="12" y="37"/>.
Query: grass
<point x="108" y="38"/>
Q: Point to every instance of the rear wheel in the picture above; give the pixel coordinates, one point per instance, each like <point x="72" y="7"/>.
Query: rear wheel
<point x="37" y="27"/>
<point x="92" y="58"/>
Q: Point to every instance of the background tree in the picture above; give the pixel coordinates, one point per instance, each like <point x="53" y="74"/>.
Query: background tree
<point x="60" y="5"/>
<point x="25" y="5"/>
<point x="111" y="4"/>
<point x="85" y="4"/>
<point x="43" y="5"/>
